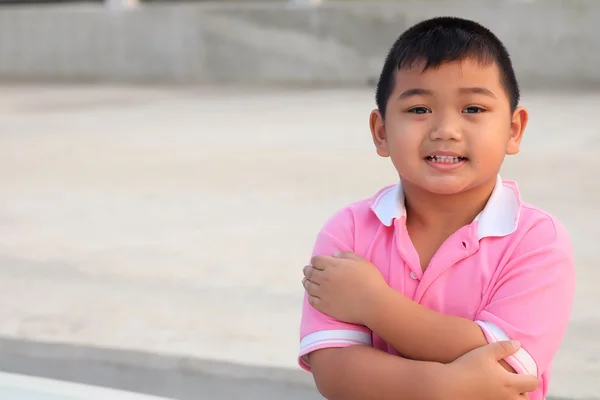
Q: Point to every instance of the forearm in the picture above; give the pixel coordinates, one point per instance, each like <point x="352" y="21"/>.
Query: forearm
<point x="419" y="333"/>
<point x="365" y="373"/>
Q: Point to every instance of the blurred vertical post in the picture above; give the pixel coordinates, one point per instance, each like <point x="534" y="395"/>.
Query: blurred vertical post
<point x="122" y="4"/>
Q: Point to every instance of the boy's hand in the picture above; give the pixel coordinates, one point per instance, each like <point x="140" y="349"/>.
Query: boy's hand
<point x="343" y="286"/>
<point x="478" y="375"/>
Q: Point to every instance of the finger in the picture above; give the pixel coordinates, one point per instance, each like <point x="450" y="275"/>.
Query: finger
<point x="524" y="383"/>
<point x="307" y="271"/>
<point x="321" y="262"/>
<point x="314" y="275"/>
<point x="310" y="287"/>
<point x="502" y="349"/>
<point x="314" y="301"/>
<point x="348" y="255"/>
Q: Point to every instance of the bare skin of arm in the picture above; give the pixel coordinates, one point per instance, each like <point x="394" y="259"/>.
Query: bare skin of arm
<point x="361" y="372"/>
<point x="430" y="336"/>
<point x="365" y="373"/>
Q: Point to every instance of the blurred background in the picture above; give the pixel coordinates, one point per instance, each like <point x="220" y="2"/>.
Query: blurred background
<point x="165" y="167"/>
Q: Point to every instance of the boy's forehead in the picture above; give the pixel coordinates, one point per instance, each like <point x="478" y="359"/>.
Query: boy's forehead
<point x="460" y="73"/>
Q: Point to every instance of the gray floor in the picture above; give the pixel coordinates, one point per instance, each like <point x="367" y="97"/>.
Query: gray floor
<point x="174" y="377"/>
<point x="177" y="378"/>
<point x="176" y="221"/>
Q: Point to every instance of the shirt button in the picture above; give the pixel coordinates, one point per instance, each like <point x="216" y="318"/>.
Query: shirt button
<point x="412" y="275"/>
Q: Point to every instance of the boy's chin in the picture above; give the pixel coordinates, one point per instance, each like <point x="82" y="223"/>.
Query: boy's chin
<point x="446" y="186"/>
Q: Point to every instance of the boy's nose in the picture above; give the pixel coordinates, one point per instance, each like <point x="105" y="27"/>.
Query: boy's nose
<point x="446" y="128"/>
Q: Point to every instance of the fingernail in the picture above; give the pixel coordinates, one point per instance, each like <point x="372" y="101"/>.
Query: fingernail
<point x="337" y="254"/>
<point x="515" y="343"/>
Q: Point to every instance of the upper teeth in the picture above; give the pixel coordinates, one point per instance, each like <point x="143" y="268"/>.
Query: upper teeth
<point x="445" y="159"/>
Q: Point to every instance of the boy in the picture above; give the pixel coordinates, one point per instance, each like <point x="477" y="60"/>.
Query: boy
<point x="415" y="292"/>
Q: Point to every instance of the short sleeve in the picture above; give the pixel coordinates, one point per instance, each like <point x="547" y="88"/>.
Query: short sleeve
<point x="318" y="330"/>
<point x="532" y="300"/>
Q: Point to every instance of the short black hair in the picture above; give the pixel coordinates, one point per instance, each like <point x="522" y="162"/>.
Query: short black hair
<point x="445" y="39"/>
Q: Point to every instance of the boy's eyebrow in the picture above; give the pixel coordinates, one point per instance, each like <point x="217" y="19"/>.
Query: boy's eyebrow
<point x="478" y="90"/>
<point x="426" y="92"/>
<point x="415" y="92"/>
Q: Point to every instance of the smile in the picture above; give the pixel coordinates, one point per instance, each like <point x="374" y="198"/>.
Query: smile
<point x="445" y="159"/>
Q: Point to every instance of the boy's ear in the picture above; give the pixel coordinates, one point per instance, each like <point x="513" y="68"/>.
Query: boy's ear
<point x="377" y="125"/>
<point x="517" y="127"/>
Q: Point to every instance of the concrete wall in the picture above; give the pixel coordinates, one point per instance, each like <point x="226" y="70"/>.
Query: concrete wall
<point x="553" y="43"/>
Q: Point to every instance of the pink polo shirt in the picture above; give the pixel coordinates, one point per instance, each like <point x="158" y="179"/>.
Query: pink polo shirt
<point x="511" y="271"/>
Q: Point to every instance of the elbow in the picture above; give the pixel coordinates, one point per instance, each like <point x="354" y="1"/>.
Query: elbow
<point x="328" y="380"/>
<point x="329" y="387"/>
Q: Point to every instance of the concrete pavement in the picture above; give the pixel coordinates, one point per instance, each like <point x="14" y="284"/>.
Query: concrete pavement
<point x="176" y="221"/>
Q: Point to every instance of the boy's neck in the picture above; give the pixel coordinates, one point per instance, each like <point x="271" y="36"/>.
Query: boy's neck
<point x="444" y="213"/>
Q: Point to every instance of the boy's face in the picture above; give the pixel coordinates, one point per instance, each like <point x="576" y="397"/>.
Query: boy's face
<point x="448" y="129"/>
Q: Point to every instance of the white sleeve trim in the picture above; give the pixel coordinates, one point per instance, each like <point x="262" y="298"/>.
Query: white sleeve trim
<point x="521" y="357"/>
<point x="334" y="337"/>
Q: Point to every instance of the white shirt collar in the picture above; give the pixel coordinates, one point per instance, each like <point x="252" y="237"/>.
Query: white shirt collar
<point x="499" y="217"/>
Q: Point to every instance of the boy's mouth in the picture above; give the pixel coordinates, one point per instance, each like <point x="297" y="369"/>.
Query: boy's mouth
<point x="446" y="159"/>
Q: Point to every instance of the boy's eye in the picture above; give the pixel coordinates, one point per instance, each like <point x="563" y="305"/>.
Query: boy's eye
<point x="419" y="110"/>
<point x="473" y="110"/>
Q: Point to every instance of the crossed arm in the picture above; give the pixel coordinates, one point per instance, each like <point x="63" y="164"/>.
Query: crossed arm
<point x="431" y="339"/>
<point x="427" y="343"/>
<point x="365" y="373"/>
<point x="430" y="335"/>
